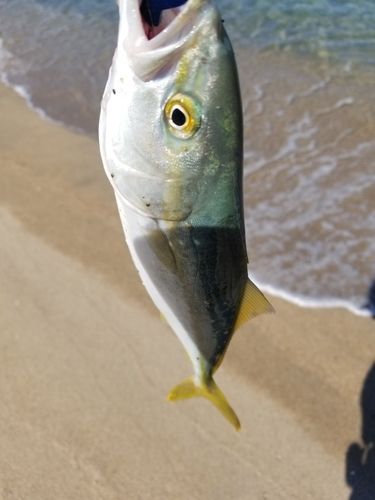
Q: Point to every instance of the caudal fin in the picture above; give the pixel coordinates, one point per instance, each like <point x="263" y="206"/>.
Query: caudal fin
<point x="208" y="389"/>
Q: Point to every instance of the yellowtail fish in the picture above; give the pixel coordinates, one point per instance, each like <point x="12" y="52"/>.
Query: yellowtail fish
<point x="171" y="143"/>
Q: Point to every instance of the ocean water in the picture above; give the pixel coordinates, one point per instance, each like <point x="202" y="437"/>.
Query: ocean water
<point x="307" y="73"/>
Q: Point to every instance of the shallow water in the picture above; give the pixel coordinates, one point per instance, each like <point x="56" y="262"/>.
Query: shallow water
<point x="310" y="176"/>
<point x="307" y="75"/>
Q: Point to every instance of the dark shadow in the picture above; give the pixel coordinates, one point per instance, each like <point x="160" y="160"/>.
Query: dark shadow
<point x="151" y="9"/>
<point x="360" y="457"/>
<point x="370" y="304"/>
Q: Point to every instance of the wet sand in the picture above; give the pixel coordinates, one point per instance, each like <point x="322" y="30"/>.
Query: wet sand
<point x="85" y="362"/>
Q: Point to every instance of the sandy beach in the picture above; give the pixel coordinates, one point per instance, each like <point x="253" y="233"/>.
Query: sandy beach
<point x="86" y="362"/>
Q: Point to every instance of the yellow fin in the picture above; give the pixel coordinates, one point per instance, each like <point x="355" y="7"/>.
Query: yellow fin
<point x="253" y="303"/>
<point x="206" y="389"/>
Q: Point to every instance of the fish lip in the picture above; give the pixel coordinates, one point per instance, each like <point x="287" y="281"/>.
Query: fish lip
<point x="132" y="31"/>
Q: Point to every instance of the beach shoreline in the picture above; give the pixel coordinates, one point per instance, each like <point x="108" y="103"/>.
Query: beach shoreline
<point x="299" y="299"/>
<point x="86" y="361"/>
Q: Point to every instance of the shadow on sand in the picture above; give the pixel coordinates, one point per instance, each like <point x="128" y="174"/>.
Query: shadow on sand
<point x="370" y="304"/>
<point x="360" y="457"/>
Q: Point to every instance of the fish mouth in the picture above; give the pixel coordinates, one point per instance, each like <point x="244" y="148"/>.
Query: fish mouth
<point x="152" y="51"/>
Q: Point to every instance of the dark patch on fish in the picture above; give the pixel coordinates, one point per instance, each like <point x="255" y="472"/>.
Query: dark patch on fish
<point x="201" y="272"/>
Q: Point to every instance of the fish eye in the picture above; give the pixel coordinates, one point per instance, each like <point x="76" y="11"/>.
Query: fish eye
<point x="178" y="116"/>
<point x="182" y="116"/>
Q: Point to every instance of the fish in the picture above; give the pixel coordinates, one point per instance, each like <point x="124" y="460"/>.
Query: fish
<point x="171" y="142"/>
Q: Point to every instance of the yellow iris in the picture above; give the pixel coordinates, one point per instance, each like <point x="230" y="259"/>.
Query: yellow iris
<point x="182" y="116"/>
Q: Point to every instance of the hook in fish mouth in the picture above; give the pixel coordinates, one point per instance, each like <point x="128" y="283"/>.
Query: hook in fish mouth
<point x="151" y="10"/>
<point x="156" y="15"/>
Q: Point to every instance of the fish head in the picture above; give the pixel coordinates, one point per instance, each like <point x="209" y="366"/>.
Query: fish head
<point x="171" y="120"/>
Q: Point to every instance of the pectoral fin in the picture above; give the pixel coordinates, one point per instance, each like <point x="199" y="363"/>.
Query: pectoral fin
<point x="208" y="389"/>
<point x="253" y="303"/>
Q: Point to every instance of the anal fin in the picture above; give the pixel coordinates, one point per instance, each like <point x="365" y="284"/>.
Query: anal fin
<point x="253" y="304"/>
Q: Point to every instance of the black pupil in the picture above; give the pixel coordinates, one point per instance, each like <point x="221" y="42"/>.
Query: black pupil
<point x="178" y="117"/>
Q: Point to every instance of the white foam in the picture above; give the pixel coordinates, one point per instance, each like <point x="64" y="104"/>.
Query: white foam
<point x="307" y="302"/>
<point x="313" y="89"/>
<point x="346" y="101"/>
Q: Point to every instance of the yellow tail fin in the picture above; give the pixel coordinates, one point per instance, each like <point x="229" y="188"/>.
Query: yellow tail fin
<point x="189" y="388"/>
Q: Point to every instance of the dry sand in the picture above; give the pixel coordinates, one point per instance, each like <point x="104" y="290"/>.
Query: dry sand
<point x="85" y="362"/>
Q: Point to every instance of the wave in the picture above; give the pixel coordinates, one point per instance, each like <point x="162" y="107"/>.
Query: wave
<point x="307" y="302"/>
<point x="8" y="63"/>
<point x="25" y="93"/>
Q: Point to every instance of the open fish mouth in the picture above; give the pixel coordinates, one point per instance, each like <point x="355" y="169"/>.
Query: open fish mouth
<point x="149" y="49"/>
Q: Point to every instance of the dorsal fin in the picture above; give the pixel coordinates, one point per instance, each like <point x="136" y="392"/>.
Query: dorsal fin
<point x="253" y="303"/>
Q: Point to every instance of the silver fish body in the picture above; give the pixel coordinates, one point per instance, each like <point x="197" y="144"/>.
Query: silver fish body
<point x="171" y="143"/>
